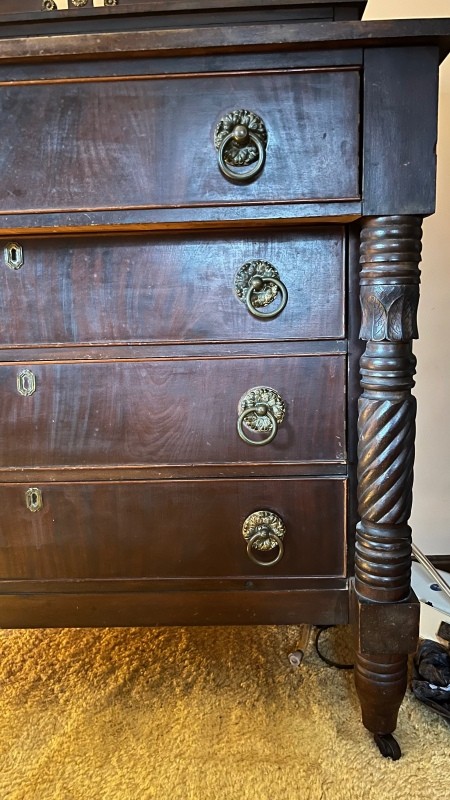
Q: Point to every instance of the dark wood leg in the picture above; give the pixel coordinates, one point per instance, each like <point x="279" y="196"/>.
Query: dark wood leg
<point x="386" y="616"/>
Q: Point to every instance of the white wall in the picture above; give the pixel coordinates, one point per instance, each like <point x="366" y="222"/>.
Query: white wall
<point x="431" y="508"/>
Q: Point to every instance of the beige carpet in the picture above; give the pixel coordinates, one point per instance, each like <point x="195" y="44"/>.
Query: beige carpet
<point x="197" y="714"/>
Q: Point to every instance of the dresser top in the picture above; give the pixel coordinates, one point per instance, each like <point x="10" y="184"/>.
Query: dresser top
<point x="257" y="37"/>
<point x="41" y="17"/>
<point x="74" y="9"/>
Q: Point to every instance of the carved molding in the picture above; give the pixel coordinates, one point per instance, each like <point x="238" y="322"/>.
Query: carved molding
<point x="390" y="255"/>
<point x="390" y="277"/>
<point x="386" y="433"/>
<point x="383" y="562"/>
<point x="389" y="313"/>
<point x="385" y="460"/>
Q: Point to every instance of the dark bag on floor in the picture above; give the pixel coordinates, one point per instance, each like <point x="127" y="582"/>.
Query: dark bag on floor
<point x="431" y="682"/>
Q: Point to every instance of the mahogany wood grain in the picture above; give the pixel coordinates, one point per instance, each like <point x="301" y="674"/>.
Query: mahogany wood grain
<point x="169" y="529"/>
<point x="198" y="217"/>
<point x="138" y="352"/>
<point x="171" y="289"/>
<point x="243" y="469"/>
<point x="311" y="7"/>
<point x="141" y="353"/>
<point x="127" y="585"/>
<point x="400" y="179"/>
<point x="142" y="143"/>
<point x="219" y="39"/>
<point x="168" y="412"/>
<point x="321" y="607"/>
<point x="100" y="20"/>
<point x="390" y="254"/>
<point x="179" y="65"/>
<point x="355" y="351"/>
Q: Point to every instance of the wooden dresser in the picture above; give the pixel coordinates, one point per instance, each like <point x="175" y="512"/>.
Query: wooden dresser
<point x="189" y="191"/>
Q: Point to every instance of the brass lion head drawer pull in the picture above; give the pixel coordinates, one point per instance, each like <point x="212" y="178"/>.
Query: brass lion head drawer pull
<point x="264" y="531"/>
<point x="257" y="284"/>
<point x="262" y="410"/>
<point x="63" y="5"/>
<point x="26" y="383"/>
<point x="240" y="139"/>
<point x="33" y="499"/>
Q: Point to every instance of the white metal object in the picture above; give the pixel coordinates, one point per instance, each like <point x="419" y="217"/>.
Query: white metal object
<point x="434" y="601"/>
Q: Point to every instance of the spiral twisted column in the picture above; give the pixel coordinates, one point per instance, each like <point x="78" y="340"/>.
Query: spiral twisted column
<point x="386" y="431"/>
<point x="390" y="277"/>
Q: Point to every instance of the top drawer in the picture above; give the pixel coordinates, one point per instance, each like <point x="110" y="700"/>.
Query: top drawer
<point x="149" y="141"/>
<point x="254" y="10"/>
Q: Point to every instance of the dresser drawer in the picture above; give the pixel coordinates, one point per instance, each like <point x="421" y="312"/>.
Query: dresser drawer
<point x="213" y="12"/>
<point x="139" y="143"/>
<point x="183" y="411"/>
<point x="172" y="289"/>
<point x="171" y="529"/>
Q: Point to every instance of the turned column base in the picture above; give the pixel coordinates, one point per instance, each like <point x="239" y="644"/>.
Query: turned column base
<point x="381" y="685"/>
<point x="386" y="614"/>
<point x="384" y="635"/>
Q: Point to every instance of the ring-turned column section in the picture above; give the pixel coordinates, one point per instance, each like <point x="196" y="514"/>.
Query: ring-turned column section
<point x="386" y="615"/>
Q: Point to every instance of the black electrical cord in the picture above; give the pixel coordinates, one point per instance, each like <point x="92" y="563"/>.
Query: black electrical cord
<point x="328" y="661"/>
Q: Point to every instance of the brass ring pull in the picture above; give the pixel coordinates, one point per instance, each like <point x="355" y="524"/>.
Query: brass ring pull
<point x="256" y="285"/>
<point x="264" y="531"/>
<point x="240" y="139"/>
<point x="244" y="136"/>
<point x="261" y="410"/>
<point x="251" y="552"/>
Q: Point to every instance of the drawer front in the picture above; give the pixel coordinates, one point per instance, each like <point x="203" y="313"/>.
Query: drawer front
<point x="32" y="8"/>
<point x="169" y="529"/>
<point x="182" y="411"/>
<point x="171" y="289"/>
<point x="149" y="142"/>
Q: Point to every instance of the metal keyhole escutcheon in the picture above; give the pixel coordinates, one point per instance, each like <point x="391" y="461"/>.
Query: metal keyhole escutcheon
<point x="13" y="254"/>
<point x="33" y="499"/>
<point x="26" y="383"/>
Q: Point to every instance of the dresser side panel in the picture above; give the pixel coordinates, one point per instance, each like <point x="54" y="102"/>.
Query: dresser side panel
<point x="400" y="130"/>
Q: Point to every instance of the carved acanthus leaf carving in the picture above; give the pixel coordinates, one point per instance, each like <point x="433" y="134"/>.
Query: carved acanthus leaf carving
<point x="390" y="277"/>
<point x="389" y="312"/>
<point x="390" y="255"/>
